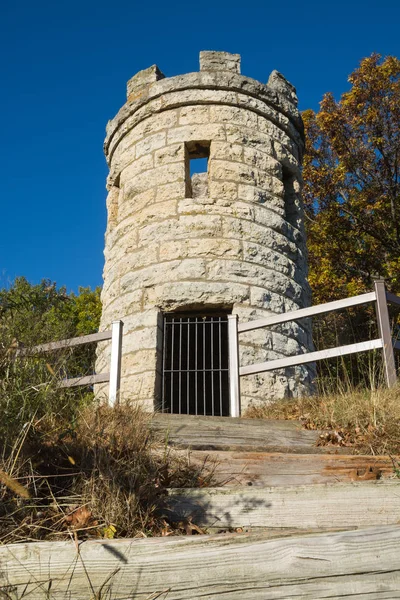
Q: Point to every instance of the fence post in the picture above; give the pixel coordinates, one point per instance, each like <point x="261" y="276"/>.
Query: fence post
<point x="385" y="332"/>
<point x="234" y="386"/>
<point x="115" y="366"/>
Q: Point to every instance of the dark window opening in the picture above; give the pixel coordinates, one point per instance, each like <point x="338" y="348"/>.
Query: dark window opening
<point x="291" y="198"/>
<point x="117" y="180"/>
<point x="195" y="378"/>
<point x="197" y="155"/>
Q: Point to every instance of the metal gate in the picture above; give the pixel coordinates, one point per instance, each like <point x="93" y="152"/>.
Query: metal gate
<point x="195" y="379"/>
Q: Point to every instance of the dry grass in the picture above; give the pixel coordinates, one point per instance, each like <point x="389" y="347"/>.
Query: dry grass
<point x="105" y="477"/>
<point x="365" y="420"/>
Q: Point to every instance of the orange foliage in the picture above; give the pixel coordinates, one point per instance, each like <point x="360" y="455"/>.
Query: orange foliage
<point x="352" y="183"/>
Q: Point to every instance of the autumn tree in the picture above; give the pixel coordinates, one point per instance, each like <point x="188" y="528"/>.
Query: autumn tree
<point x="352" y="183"/>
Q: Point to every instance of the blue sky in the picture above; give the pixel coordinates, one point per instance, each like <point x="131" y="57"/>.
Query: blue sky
<point x="64" y="66"/>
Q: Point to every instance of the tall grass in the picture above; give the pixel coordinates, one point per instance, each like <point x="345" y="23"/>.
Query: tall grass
<point x="70" y="466"/>
<point x="363" y="415"/>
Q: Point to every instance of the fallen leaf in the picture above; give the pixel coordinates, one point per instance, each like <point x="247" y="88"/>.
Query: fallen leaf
<point x="81" y="518"/>
<point x="109" y="532"/>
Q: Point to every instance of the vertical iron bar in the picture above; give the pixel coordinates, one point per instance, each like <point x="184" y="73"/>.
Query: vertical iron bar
<point x="163" y="365"/>
<point x="220" y="368"/>
<point x="115" y="366"/>
<point x="385" y="332"/>
<point x="195" y="368"/>
<point x="180" y="366"/>
<point x="204" y="365"/>
<point x="172" y="364"/>
<point x="188" y="370"/>
<point x="234" y="389"/>
<point x="212" y="364"/>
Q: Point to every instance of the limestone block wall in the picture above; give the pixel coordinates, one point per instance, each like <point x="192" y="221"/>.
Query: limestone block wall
<point x="231" y="238"/>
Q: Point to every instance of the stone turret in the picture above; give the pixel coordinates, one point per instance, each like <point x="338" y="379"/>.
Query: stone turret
<point x="187" y="245"/>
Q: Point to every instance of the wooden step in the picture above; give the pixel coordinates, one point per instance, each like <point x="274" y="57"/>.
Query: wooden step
<point x="250" y="435"/>
<point x="283" y="469"/>
<point x="321" y="506"/>
<point x="356" y="564"/>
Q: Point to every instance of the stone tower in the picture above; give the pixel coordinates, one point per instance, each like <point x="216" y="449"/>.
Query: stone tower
<point x="186" y="248"/>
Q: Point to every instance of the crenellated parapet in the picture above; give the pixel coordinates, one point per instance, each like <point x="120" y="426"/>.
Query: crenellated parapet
<point x="218" y="82"/>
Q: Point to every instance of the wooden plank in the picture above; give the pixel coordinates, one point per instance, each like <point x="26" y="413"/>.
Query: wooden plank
<point x="224" y="433"/>
<point x="76" y="341"/>
<point x="309" y="357"/>
<point x="233" y="361"/>
<point x="392" y="298"/>
<point x="276" y="469"/>
<point x="87" y="380"/>
<point x="307" y="312"/>
<point x="317" y="506"/>
<point x="363" y="564"/>
<point x="115" y="363"/>
<point x="385" y="331"/>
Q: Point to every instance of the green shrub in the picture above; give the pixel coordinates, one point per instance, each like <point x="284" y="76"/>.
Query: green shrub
<point x="31" y="315"/>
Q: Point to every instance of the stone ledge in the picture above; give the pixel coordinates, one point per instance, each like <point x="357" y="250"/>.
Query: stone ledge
<point x="290" y="130"/>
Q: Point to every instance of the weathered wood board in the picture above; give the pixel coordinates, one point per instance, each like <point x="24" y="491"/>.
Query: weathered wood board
<point x="252" y="435"/>
<point x="282" y="469"/>
<point x="363" y="564"/>
<point x="318" y="506"/>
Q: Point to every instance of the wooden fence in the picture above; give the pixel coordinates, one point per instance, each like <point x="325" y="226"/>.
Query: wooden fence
<point x="113" y="377"/>
<point x="380" y="296"/>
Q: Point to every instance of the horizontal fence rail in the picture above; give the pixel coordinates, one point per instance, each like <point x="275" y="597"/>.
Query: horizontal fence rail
<point x="68" y="343"/>
<point x="381" y="298"/>
<point x="85" y="380"/>
<point x="310" y="357"/>
<point x="307" y="312"/>
<point x="113" y="377"/>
